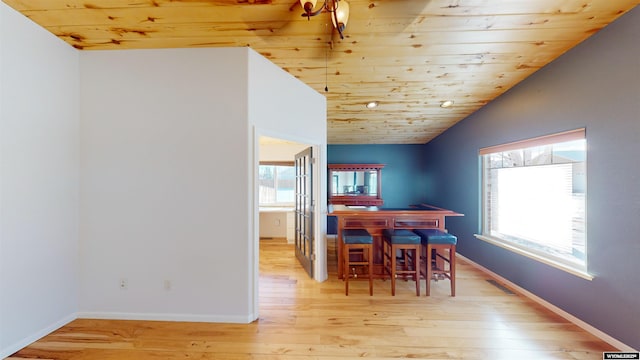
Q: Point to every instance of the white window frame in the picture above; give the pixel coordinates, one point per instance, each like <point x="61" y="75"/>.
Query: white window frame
<point x="517" y="247"/>
<point x="276" y="164"/>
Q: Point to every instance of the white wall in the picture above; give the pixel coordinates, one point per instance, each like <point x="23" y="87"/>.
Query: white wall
<point x="164" y="184"/>
<point x="168" y="165"/>
<point x="38" y="182"/>
<point x="297" y="113"/>
<point x="273" y="224"/>
<point x="280" y="152"/>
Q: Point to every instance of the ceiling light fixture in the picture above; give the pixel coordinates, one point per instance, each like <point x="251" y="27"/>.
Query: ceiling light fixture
<point x="372" y="105"/>
<point x="338" y="9"/>
<point x="446" y="103"/>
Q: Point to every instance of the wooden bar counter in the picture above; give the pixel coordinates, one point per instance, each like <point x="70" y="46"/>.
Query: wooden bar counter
<point x="375" y="219"/>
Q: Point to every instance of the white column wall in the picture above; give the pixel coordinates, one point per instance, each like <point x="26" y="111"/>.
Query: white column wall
<point x="164" y="185"/>
<point x="281" y="106"/>
<point x="39" y="165"/>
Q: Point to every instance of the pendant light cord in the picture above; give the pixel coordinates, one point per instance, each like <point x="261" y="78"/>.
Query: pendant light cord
<point x="326" y="71"/>
<point x="326" y="65"/>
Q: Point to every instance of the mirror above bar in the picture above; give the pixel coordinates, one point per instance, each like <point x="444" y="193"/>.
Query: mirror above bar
<point x="355" y="184"/>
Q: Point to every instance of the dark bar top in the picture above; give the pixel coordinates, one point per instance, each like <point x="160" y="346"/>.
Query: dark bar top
<point x="418" y="208"/>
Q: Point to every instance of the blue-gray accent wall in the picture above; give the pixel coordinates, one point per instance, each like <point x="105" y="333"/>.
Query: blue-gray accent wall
<point x="595" y="85"/>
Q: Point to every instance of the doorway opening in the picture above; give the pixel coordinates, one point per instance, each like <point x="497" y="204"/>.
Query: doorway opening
<point x="277" y="223"/>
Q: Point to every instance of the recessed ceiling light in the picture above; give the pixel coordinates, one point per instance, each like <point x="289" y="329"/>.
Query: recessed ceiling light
<point x="446" y="103"/>
<point x="372" y="104"/>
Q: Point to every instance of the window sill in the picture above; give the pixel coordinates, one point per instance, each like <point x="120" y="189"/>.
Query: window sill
<point x="281" y="208"/>
<point x="558" y="265"/>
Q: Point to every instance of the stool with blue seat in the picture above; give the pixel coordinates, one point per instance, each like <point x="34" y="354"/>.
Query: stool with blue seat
<point x="357" y="251"/>
<point x="437" y="265"/>
<point x="408" y="243"/>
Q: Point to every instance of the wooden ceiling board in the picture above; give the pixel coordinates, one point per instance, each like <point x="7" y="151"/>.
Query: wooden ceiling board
<point x="409" y="55"/>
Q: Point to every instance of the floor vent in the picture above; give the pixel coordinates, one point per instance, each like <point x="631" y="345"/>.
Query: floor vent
<point x="501" y="287"/>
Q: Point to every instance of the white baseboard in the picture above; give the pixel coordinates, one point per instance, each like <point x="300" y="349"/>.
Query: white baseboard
<point x="588" y="328"/>
<point x="165" y="317"/>
<point x="6" y="352"/>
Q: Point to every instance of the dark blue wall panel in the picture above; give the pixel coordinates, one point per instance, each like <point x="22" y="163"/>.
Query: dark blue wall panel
<point x="597" y="86"/>
<point x="403" y="181"/>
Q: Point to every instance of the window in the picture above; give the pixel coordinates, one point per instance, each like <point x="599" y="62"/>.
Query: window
<point x="277" y="183"/>
<point x="534" y="198"/>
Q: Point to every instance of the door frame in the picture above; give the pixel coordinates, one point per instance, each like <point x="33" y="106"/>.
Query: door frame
<point x="320" y="209"/>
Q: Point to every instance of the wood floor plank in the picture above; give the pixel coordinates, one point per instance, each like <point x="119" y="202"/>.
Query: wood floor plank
<point x="300" y="318"/>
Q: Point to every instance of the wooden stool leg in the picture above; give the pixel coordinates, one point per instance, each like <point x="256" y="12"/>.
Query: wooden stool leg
<point x="345" y="269"/>
<point x="393" y="270"/>
<point x="423" y="264"/>
<point x="416" y="267"/>
<point x="429" y="266"/>
<point x="452" y="269"/>
<point x="370" y="269"/>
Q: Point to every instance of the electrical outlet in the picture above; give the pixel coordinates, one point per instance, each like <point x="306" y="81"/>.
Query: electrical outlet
<point x="123" y="284"/>
<point x="167" y="285"/>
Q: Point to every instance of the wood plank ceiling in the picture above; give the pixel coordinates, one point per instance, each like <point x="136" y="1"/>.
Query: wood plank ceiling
<point x="408" y="55"/>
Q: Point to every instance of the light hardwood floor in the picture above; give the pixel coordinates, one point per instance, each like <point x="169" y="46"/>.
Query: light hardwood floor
<point x="300" y="318"/>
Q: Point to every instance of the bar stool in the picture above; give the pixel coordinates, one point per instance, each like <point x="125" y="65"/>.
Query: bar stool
<point x="357" y="244"/>
<point x="407" y="242"/>
<point x="435" y="243"/>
